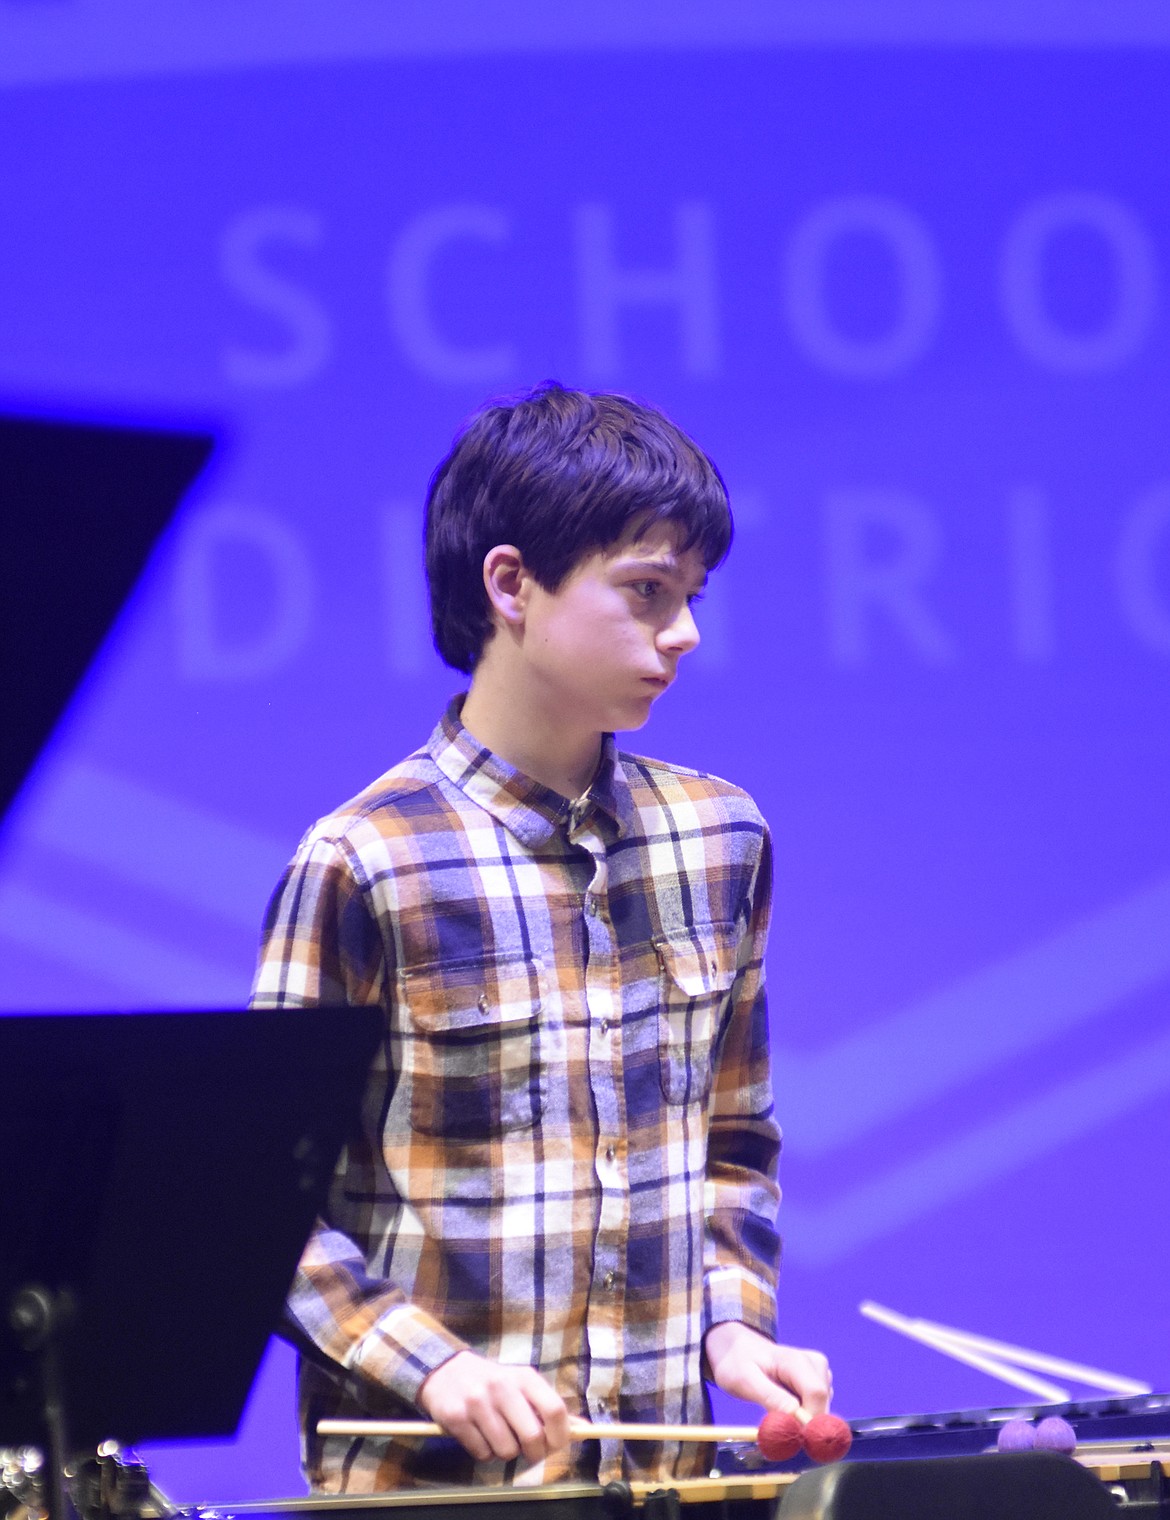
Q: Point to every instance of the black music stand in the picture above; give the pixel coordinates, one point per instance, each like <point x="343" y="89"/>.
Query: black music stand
<point x="81" y="507"/>
<point x="159" y="1176"/>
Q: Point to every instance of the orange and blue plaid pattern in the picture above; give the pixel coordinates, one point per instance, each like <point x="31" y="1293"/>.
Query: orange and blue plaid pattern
<point x="567" y="1153"/>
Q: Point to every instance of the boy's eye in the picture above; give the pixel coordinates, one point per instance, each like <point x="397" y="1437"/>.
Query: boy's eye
<point x="695" y="596"/>
<point x="647" y="589"/>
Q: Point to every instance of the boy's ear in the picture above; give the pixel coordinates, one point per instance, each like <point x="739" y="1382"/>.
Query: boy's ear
<point x="507" y="583"/>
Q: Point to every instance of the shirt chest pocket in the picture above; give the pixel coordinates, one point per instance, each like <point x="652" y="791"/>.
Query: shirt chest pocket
<point x="696" y="970"/>
<point x="471" y="1046"/>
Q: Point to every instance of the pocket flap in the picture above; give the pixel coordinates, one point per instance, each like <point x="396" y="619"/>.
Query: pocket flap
<point x="700" y="961"/>
<point x="466" y="996"/>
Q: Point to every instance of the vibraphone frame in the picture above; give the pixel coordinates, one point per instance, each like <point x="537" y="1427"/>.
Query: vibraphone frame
<point x="743" y="1497"/>
<point x="1138" y="1484"/>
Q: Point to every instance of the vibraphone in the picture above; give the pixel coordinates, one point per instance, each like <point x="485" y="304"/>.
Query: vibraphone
<point x="739" y="1498"/>
<point x="1030" y="1486"/>
<point x="1124" y="1444"/>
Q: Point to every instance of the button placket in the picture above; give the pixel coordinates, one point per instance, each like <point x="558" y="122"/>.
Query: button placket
<point x="604" y="1328"/>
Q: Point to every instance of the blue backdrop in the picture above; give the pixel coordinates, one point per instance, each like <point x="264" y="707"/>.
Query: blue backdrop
<point x="913" y="299"/>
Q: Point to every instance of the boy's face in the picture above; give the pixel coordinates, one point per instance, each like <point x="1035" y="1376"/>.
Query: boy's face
<point x="607" y="642"/>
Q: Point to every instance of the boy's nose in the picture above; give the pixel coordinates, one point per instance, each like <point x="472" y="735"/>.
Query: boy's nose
<point x="682" y="633"/>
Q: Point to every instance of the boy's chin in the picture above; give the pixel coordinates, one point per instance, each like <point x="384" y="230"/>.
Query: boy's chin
<point x="626" y="712"/>
<point x="630" y="720"/>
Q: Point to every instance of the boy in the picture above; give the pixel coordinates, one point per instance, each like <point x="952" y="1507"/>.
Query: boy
<point x="561" y="1200"/>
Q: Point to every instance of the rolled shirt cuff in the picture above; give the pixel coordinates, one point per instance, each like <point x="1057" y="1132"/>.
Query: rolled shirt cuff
<point x="402" y="1349"/>
<point x="730" y="1293"/>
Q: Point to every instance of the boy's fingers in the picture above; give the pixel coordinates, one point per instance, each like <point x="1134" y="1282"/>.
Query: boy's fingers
<point x="497" y="1431"/>
<point x="807" y="1374"/>
<point x="523" y="1424"/>
<point x="471" y="1439"/>
<point x="496" y="1411"/>
<point x="551" y="1410"/>
<point x="802" y="1374"/>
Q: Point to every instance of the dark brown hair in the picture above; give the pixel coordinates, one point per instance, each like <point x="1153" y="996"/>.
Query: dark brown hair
<point x="560" y="474"/>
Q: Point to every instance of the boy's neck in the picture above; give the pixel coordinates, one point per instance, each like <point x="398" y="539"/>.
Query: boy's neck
<point x="523" y="730"/>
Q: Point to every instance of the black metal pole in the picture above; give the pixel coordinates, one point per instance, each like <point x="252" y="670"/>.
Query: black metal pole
<point x="38" y="1316"/>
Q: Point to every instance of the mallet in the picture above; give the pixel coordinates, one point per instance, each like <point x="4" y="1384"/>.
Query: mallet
<point x="779" y="1435"/>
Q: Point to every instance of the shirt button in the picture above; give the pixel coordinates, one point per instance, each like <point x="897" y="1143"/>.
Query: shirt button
<point x="610" y="1154"/>
<point x="591" y="906"/>
<point x="605" y="1026"/>
<point x="609" y="1280"/>
<point x="482" y="1002"/>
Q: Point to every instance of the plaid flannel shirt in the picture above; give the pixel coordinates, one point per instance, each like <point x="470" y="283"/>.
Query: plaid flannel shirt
<point x="567" y="1153"/>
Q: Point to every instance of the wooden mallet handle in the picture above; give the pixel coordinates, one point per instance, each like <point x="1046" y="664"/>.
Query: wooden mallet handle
<point x="579" y="1430"/>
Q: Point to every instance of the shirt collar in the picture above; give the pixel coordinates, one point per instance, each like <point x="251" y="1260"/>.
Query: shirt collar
<point x="528" y="809"/>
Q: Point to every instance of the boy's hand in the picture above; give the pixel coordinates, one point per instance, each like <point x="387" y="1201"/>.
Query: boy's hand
<point x="495" y="1411"/>
<point x="751" y="1367"/>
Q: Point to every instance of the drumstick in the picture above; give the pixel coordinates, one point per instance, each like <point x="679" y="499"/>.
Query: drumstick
<point x="1051" y="1393"/>
<point x="944" y="1337"/>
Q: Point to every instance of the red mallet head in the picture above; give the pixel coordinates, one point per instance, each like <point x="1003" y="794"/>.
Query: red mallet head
<point x="827" y="1438"/>
<point x="1055" y="1434"/>
<point x="779" y="1436"/>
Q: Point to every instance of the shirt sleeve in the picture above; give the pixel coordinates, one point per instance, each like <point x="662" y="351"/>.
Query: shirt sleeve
<point x="322" y="945"/>
<point x="742" y="1247"/>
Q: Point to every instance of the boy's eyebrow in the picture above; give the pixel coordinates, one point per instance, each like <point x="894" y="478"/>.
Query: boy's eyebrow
<point x="667" y="562"/>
